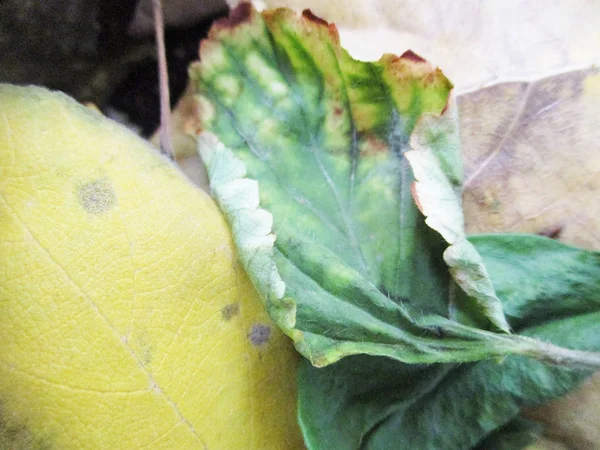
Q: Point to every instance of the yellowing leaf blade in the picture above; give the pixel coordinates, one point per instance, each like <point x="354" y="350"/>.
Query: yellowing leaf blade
<point x="126" y="320"/>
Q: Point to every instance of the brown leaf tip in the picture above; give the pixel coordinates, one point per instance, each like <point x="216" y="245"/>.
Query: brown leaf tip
<point x="309" y="15"/>
<point x="412" y="56"/>
<point x="240" y="14"/>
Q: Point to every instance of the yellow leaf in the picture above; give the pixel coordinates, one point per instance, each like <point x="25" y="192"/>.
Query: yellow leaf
<point x="126" y="321"/>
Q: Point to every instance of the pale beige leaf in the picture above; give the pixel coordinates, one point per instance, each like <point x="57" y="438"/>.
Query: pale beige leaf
<point x="532" y="159"/>
<point x="476" y="43"/>
<point x="574" y="418"/>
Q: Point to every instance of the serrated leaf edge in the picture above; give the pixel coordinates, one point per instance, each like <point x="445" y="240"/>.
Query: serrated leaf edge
<point x="437" y="192"/>
<point x="251" y="226"/>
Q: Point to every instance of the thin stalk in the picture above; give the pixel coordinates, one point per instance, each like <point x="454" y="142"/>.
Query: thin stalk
<point x="566" y="357"/>
<point x="507" y="344"/>
<point x="163" y="77"/>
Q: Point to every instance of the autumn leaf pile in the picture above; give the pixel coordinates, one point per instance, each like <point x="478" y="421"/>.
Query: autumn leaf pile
<point x="138" y="312"/>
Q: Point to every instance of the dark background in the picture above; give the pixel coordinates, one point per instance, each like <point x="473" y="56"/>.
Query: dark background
<point x="102" y="51"/>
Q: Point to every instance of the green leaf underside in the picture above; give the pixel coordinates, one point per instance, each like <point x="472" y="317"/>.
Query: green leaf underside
<point x="379" y="403"/>
<point x="354" y="268"/>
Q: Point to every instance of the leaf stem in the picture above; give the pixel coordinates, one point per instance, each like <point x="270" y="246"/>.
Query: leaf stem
<point x="163" y="76"/>
<point x="565" y="357"/>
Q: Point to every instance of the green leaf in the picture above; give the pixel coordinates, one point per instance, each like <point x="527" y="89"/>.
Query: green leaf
<point x="540" y="279"/>
<point x="310" y="171"/>
<point x="516" y="434"/>
<point x="377" y="403"/>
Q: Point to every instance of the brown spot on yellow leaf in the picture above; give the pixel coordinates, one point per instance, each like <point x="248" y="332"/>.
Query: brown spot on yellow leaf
<point x="260" y="334"/>
<point x="96" y="196"/>
<point x="228" y="312"/>
<point x="14" y="433"/>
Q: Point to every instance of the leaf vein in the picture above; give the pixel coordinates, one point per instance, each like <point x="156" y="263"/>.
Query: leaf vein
<point x="152" y="383"/>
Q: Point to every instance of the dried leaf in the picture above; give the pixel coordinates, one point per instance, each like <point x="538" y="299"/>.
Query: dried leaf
<point x="532" y="157"/>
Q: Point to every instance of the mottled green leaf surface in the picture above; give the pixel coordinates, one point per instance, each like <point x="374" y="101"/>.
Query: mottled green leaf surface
<point x="358" y="254"/>
<point x="354" y="267"/>
<point x="379" y="403"/>
<point x="312" y="175"/>
<point x="518" y="433"/>
<point x="540" y="279"/>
